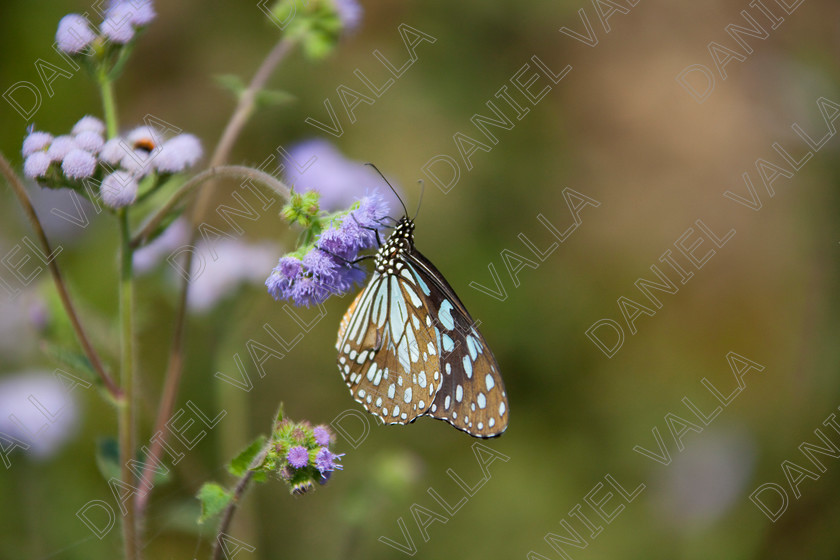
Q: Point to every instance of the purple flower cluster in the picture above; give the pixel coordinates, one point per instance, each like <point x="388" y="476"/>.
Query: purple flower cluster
<point x="301" y="455"/>
<point x="121" y="161"/>
<point x="326" y="268"/>
<point x="122" y="20"/>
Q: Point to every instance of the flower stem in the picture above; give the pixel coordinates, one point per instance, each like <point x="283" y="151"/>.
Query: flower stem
<point x="96" y="363"/>
<point x="238" y="491"/>
<point x="126" y="411"/>
<point x="109" y="105"/>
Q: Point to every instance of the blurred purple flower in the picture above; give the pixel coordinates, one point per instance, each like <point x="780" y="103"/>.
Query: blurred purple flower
<point x="36" y="165"/>
<point x="89" y="141"/>
<point x="60" y="147"/>
<point x="117" y="25"/>
<point x="138" y="12"/>
<point x="322" y="435"/>
<point x="178" y="153"/>
<point x="298" y="457"/>
<point x="88" y="123"/>
<point x="326" y="461"/>
<point x="339" y="180"/>
<point x="113" y="151"/>
<point x="118" y="189"/>
<point x="229" y="263"/>
<point x="350" y="13"/>
<point x="36" y="141"/>
<point x="74" y="34"/>
<point x="37" y="410"/>
<point x="78" y="164"/>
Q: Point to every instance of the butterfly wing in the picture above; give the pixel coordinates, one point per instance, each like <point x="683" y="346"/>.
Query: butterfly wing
<point x="388" y="349"/>
<point x="472" y="395"/>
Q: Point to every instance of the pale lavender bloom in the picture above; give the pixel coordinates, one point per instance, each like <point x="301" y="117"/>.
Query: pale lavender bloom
<point x="143" y="12"/>
<point x="340" y="181"/>
<point x="117" y="25"/>
<point x="38" y="410"/>
<point x="350" y="13"/>
<point x="88" y="123"/>
<point x="298" y="456"/>
<point x="89" y="141"/>
<point x="173" y="237"/>
<point x="226" y="264"/>
<point x="36" y="141"/>
<point x="60" y="147"/>
<point x="113" y="151"/>
<point x="178" y="153"/>
<point x="137" y="162"/>
<point x="322" y="435"/>
<point x="74" y="34"/>
<point x="36" y="165"/>
<point x="144" y="137"/>
<point x="78" y="164"/>
<point x="118" y="189"/>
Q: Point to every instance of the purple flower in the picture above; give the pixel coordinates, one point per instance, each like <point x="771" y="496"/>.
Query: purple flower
<point x="178" y="153"/>
<point x="73" y="34"/>
<point x="316" y="165"/>
<point x="35" y="142"/>
<point x="78" y="164"/>
<point x="36" y="165"/>
<point x="117" y="25"/>
<point x="60" y="147"/>
<point x="118" y="189"/>
<point x="113" y="151"/>
<point x="350" y="13"/>
<point x="298" y="457"/>
<point x="139" y="12"/>
<point x="137" y="162"/>
<point x="322" y="435"/>
<point x="89" y="141"/>
<point x="327" y="461"/>
<point x="88" y="124"/>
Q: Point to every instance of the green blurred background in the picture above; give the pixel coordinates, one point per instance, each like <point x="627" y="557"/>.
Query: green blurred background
<point x="619" y="129"/>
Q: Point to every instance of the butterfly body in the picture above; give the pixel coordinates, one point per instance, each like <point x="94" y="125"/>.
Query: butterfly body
<point x="409" y="348"/>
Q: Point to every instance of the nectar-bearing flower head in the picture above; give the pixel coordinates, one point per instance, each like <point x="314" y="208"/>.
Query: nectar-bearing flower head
<point x="36" y="141"/>
<point x="36" y="165"/>
<point x="118" y="189"/>
<point x="74" y="34"/>
<point x="78" y="164"/>
<point x="88" y="123"/>
<point x="89" y="141"/>
<point x="325" y="267"/>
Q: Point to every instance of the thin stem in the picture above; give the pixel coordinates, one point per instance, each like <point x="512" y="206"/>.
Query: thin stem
<point x="126" y="413"/>
<point x="96" y="363"/>
<point x="238" y="491"/>
<point x="109" y="106"/>
<point x="231" y="171"/>
<point x="240" y="116"/>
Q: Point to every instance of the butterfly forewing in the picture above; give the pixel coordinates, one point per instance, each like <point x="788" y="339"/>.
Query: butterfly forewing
<point x="390" y="364"/>
<point x="472" y="394"/>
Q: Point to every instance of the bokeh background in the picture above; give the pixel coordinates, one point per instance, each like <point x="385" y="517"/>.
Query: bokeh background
<point x="618" y="128"/>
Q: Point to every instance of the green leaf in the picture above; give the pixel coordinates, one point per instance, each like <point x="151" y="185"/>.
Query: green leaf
<point x="239" y="465"/>
<point x="213" y="499"/>
<point x="271" y="97"/>
<point x="231" y="82"/>
<point x="108" y="457"/>
<point x="75" y="361"/>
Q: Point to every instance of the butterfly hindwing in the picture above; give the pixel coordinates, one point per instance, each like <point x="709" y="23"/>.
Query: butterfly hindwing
<point x="390" y="364"/>
<point x="472" y="395"/>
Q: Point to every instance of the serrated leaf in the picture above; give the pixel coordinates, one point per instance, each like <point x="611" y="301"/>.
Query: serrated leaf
<point x="108" y="457"/>
<point x="231" y="82"/>
<point x="271" y="97"/>
<point x="239" y="465"/>
<point x="213" y="500"/>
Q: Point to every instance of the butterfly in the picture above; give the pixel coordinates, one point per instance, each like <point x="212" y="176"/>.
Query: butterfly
<point x="407" y="346"/>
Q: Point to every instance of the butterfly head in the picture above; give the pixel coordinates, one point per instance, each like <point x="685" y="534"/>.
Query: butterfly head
<point x="391" y="256"/>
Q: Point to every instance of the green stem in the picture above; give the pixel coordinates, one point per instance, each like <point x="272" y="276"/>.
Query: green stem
<point x="109" y="105"/>
<point x="126" y="411"/>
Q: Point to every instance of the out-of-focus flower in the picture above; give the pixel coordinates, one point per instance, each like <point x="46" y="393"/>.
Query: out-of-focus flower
<point x="74" y="34"/>
<point x="118" y="189"/>
<point x="139" y="12"/>
<point x="117" y="25"/>
<point x="339" y="180"/>
<point x="178" y="153"/>
<point x="236" y="263"/>
<point x="113" y="151"/>
<point x="38" y="410"/>
<point x="89" y="141"/>
<point x="88" y="123"/>
<point x="60" y="147"/>
<point x="36" y="165"/>
<point x="148" y="256"/>
<point x="322" y="435"/>
<point x="350" y="13"/>
<point x="78" y="164"/>
<point x="325" y="269"/>
<point x="36" y="141"/>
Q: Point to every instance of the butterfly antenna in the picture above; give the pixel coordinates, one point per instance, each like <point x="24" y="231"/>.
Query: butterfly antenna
<point x="391" y="186"/>
<point x="419" y="202"/>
